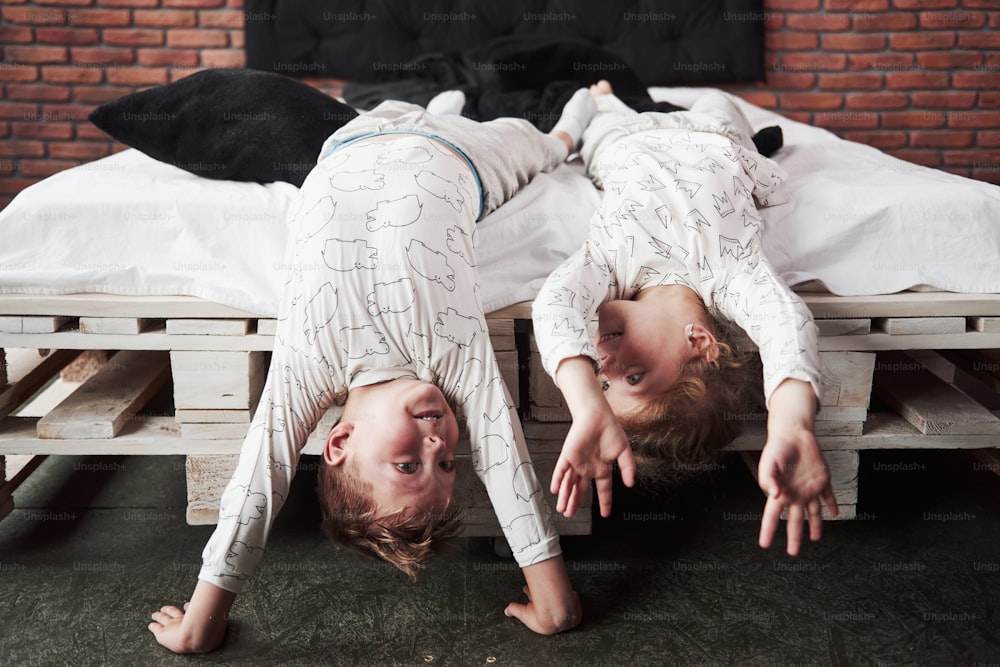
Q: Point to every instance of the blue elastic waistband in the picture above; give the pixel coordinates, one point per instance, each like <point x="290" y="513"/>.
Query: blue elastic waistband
<point x="459" y="151"/>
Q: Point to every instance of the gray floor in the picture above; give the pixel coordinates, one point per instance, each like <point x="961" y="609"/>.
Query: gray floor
<point x="96" y="543"/>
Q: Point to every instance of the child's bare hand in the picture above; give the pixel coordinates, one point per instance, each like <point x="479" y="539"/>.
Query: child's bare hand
<point x="594" y="442"/>
<point x="168" y="628"/>
<point x="546" y="619"/>
<point x="793" y="474"/>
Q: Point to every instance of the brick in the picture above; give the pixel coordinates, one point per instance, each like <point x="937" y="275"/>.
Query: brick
<point x="952" y="60"/>
<point x="791" y="41"/>
<point x="102" y="56"/>
<point x="948" y="100"/>
<point x="773" y="22"/>
<point x="928" y="158"/>
<point x="197" y="38"/>
<point x="98" y="94"/>
<point x="847" y="119"/>
<point x="18" y="110"/>
<point x="987" y="175"/>
<point x="953" y="20"/>
<point x="65" y="3"/>
<point x="913" y="119"/>
<point x="68" y="36"/>
<point x="16" y="35"/>
<point x="879" y="100"/>
<point x="133" y="37"/>
<point x="223" y="58"/>
<point x="854" y="42"/>
<point x="88" y="131"/>
<point x="921" y="41"/>
<point x="168" y="57"/>
<point x="988" y="138"/>
<point x="979" y="40"/>
<point x="165" y="18"/>
<point x="178" y="73"/>
<point x="856" y="5"/>
<point x="898" y="80"/>
<point x="60" y="74"/>
<point x="981" y="4"/>
<point x="977" y="80"/>
<point x="150" y="76"/>
<point x="18" y="148"/>
<point x="222" y="18"/>
<point x="978" y="159"/>
<point x="763" y="99"/>
<point x="924" y="4"/>
<point x="78" y="150"/>
<point x="878" y="22"/>
<point x="4" y="130"/>
<point x="881" y="61"/>
<point x="237" y="39"/>
<point x="989" y="99"/>
<point x="974" y="118"/>
<point x="10" y="72"/>
<point x="853" y="81"/>
<point x="881" y="139"/>
<point x="942" y="139"/>
<point x="790" y="80"/>
<point x="129" y="3"/>
<point x="196" y="4"/>
<point x="792" y="5"/>
<point x="36" y="54"/>
<point x="814" y="62"/>
<point x="101" y="18"/>
<point x="74" y="112"/>
<point x="824" y="101"/>
<point x="12" y="186"/>
<point x="818" y="22"/>
<point x="36" y="92"/>
<point x="34" y="15"/>
<point x="42" y="130"/>
<point x="45" y="168"/>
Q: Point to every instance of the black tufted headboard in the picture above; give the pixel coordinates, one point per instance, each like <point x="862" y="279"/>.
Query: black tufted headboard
<point x="665" y="42"/>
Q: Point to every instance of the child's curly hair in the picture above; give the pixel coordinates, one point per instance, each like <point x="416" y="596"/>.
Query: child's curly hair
<point x="684" y="431"/>
<point x="406" y="540"/>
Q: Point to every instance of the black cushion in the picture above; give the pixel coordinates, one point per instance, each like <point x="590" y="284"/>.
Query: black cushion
<point x="233" y="124"/>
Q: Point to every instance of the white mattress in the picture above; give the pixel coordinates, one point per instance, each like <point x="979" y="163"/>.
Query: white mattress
<point x="859" y="222"/>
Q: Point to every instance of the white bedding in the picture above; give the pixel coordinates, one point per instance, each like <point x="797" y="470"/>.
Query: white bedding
<point x="859" y="222"/>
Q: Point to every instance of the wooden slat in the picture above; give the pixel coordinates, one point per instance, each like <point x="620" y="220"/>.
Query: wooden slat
<point x="104" y="403"/>
<point x="41" y="324"/>
<point x="113" y="325"/>
<point x="896" y="326"/>
<point x="187" y="416"/>
<point x="985" y="324"/>
<point x="844" y="327"/>
<point x="214" y="431"/>
<point x="882" y="341"/>
<point x="194" y="327"/>
<point x="222" y="380"/>
<point x="883" y="430"/>
<point x="29" y="375"/>
<point x="847" y="379"/>
<point x="267" y="327"/>
<point x="930" y="404"/>
<point x="903" y="304"/>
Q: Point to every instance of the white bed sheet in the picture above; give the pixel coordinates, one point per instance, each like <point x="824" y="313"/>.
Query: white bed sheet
<point x="859" y="222"/>
<point x="129" y="224"/>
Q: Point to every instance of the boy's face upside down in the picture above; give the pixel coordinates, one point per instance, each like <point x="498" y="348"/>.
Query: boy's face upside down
<point x="400" y="436"/>
<point x="644" y="343"/>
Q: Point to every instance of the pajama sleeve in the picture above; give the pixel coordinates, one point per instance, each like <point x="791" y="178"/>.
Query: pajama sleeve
<point x="778" y="322"/>
<point x="500" y="459"/>
<point x="567" y="302"/>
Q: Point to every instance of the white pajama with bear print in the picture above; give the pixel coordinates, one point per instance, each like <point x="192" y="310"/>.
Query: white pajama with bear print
<point x="381" y="284"/>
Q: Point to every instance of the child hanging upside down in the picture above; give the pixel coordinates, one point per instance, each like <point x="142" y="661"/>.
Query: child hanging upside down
<point x="382" y="319"/>
<point x="671" y="263"/>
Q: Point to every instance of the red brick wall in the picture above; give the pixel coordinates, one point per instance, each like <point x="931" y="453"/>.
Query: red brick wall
<point x="917" y="78"/>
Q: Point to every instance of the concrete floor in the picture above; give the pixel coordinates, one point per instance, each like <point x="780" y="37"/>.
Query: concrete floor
<point x="96" y="543"/>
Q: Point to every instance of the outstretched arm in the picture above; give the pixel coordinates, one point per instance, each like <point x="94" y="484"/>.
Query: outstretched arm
<point x="200" y="627"/>
<point x="792" y="470"/>
<point x="594" y="442"/>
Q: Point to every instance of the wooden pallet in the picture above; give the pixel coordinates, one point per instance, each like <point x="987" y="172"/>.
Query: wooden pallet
<point x="217" y="358"/>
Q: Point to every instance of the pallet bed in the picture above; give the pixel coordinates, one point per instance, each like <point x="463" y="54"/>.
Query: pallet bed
<point x="933" y="358"/>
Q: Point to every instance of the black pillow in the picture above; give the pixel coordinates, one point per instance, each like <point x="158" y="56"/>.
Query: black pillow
<point x="233" y="124"/>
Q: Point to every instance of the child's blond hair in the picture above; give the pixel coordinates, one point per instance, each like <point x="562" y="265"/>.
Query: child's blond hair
<point x="404" y="539"/>
<point x="683" y="431"/>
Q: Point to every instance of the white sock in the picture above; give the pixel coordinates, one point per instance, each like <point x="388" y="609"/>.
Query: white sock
<point x="448" y="102"/>
<point x="576" y="115"/>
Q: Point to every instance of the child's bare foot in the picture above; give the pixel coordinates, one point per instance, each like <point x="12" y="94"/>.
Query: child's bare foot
<point x="602" y="87"/>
